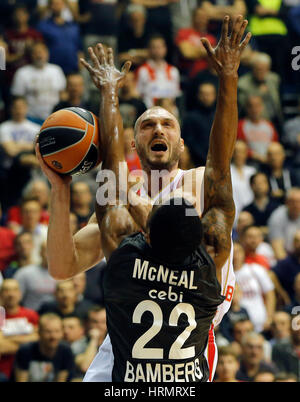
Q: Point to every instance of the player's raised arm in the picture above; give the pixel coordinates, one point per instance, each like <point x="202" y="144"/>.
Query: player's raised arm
<point x="67" y="255"/>
<point x="108" y="79"/>
<point x="219" y="209"/>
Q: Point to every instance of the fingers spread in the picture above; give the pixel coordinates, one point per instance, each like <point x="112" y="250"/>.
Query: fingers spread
<point x="110" y="56"/>
<point x="241" y="32"/>
<point x="94" y="58"/>
<point x="207" y="46"/>
<point x="224" y="34"/>
<point x="101" y="54"/>
<point x="236" y="29"/>
<point x="86" y="65"/>
<point x="245" y="41"/>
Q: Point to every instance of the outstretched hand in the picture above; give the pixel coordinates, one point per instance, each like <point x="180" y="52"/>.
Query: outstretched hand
<point x="103" y="71"/>
<point x="225" y="58"/>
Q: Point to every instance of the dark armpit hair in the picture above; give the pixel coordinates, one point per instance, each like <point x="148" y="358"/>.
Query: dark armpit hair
<point x="175" y="230"/>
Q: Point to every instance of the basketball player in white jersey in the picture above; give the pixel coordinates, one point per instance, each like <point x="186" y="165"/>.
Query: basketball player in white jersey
<point x="159" y="145"/>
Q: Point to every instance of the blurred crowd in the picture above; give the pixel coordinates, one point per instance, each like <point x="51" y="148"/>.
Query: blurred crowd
<point x="53" y="329"/>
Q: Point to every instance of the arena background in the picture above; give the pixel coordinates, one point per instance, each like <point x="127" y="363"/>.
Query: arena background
<point x="41" y="43"/>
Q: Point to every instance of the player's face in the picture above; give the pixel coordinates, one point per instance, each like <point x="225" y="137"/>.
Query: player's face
<point x="158" y="141"/>
<point x="227" y="368"/>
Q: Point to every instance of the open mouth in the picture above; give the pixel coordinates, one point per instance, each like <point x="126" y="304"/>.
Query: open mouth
<point x="159" y="147"/>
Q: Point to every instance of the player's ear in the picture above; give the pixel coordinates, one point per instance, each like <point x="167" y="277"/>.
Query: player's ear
<point x="181" y="144"/>
<point x="133" y="144"/>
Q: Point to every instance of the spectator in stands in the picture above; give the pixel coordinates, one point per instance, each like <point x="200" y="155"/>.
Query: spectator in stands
<point x="18" y="133"/>
<point x="281" y="179"/>
<point x="159" y="19"/>
<point x="197" y="123"/>
<point x="264" y="376"/>
<point x="62" y="38"/>
<point x="131" y="105"/>
<point x="74" y="335"/>
<point x="69" y="12"/>
<point x="241" y="173"/>
<point x="261" y="81"/>
<point x="7" y="249"/>
<point x="291" y="137"/>
<point x="252" y="360"/>
<point x="40" y="83"/>
<point x="19" y="328"/>
<point x="156" y="78"/>
<point x="37" y="189"/>
<point x="258" y="296"/>
<point x="228" y="365"/>
<point x="244" y="219"/>
<point x="99" y="22"/>
<point x="263" y="205"/>
<point x="280" y="328"/>
<point x="81" y="199"/>
<point x="284" y="272"/>
<point x="23" y="246"/>
<point x="134" y="36"/>
<point x="19" y="37"/>
<point x="193" y="57"/>
<point x="65" y="303"/>
<point x="256" y="249"/>
<point x="30" y="217"/>
<point x="286" y="354"/>
<point x="96" y="324"/>
<point x="82" y="304"/>
<point x="48" y="359"/>
<point x="267" y="25"/>
<point x="216" y="11"/>
<point x="74" y="93"/>
<point x="235" y="313"/>
<point x="295" y="302"/>
<point x="36" y="284"/>
<point x="240" y="328"/>
<point x="256" y="131"/>
<point x="283" y="224"/>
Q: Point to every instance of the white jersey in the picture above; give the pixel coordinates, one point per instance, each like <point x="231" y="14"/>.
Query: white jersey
<point x="101" y="368"/>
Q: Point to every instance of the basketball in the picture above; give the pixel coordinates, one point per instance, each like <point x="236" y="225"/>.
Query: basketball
<point x="69" y="141"/>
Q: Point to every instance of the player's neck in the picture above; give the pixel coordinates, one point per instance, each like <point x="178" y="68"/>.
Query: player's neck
<point x="158" y="181"/>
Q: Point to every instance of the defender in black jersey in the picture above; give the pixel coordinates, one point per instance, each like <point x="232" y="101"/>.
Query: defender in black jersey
<point x="161" y="298"/>
<point x="162" y="285"/>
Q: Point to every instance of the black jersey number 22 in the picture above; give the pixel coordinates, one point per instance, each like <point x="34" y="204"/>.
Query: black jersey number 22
<point x="176" y="351"/>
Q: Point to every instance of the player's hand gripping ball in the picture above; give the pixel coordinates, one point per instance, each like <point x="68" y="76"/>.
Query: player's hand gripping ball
<point x="69" y="141"/>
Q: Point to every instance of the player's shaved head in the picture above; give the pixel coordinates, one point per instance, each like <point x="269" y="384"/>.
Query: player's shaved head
<point x="155" y="111"/>
<point x="175" y="230"/>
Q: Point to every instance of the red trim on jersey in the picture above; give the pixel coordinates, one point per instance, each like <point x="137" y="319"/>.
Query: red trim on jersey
<point x="211" y="351"/>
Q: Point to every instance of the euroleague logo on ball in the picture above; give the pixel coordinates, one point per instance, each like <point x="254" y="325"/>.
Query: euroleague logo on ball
<point x="57" y="164"/>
